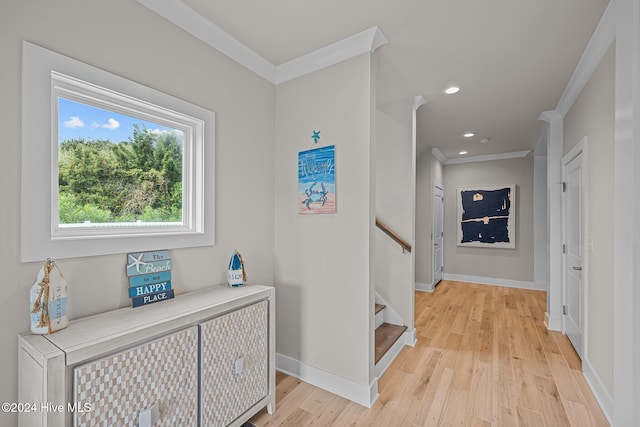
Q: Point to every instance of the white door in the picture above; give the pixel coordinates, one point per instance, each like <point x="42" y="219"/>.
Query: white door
<point x="573" y="223"/>
<point x="438" y="210"/>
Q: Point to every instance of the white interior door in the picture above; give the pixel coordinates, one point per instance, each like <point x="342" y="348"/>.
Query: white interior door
<point x="438" y="234"/>
<point x="573" y="222"/>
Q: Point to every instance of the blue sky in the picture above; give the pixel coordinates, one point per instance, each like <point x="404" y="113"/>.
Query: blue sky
<point x="77" y="120"/>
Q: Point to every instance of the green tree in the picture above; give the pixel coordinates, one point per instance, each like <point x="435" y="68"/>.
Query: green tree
<point x="139" y="179"/>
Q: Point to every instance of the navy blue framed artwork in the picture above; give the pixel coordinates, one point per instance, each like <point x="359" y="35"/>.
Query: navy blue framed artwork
<point x="487" y="216"/>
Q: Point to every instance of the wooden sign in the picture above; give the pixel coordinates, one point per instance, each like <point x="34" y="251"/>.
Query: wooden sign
<point x="48" y="300"/>
<point x="148" y="262"/>
<point x="149" y="289"/>
<point x="152" y="298"/>
<point x="149" y="277"/>
<point x="236" y="275"/>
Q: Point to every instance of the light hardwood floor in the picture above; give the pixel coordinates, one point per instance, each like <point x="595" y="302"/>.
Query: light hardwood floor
<point x="483" y="358"/>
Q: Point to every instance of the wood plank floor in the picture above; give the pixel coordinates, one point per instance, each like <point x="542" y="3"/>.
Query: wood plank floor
<point x="483" y="358"/>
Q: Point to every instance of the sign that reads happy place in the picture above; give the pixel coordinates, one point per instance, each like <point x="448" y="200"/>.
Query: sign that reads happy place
<point x="149" y="277"/>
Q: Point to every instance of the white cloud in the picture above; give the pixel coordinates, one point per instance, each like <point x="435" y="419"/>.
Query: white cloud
<point x="74" y="122"/>
<point x="111" y="125"/>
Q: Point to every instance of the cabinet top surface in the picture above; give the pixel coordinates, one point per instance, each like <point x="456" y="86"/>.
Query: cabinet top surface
<point x="98" y="329"/>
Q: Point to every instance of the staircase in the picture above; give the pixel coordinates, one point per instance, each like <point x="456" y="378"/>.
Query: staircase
<point x="388" y="344"/>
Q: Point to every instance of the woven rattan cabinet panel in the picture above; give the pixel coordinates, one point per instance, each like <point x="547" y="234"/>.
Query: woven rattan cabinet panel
<point x="234" y="364"/>
<point x="163" y="372"/>
<point x="129" y="366"/>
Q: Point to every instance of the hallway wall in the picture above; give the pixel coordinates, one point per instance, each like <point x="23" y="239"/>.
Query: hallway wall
<point x="393" y="171"/>
<point x="592" y="116"/>
<point x="513" y="266"/>
<point x="428" y="174"/>
<point x="323" y="263"/>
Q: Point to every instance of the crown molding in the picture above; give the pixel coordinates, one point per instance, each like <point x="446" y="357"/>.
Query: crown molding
<point x="485" y="158"/>
<point x="195" y="24"/>
<point x="600" y="42"/>
<point x="438" y="155"/>
<point x="418" y="101"/>
<point x="489" y="157"/>
<point x="363" y="42"/>
<point x="181" y="15"/>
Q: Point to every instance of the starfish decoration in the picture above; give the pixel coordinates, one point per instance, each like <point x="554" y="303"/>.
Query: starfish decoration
<point x="316" y="136"/>
<point x="137" y="262"/>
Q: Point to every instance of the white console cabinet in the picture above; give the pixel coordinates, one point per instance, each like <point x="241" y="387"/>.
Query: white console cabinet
<point x="205" y="358"/>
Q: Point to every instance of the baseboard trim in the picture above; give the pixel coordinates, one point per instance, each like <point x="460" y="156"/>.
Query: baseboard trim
<point x="553" y="323"/>
<point x="599" y="390"/>
<point x="509" y="283"/>
<point x="358" y="393"/>
<point x="541" y="286"/>
<point x="410" y="338"/>
<point x="386" y="361"/>
<point x="423" y="287"/>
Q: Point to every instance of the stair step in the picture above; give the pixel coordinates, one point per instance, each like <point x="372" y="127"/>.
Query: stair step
<point x="386" y="335"/>
<point x="379" y="308"/>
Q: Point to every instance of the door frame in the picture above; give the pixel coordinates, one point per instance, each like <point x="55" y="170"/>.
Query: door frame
<point x="433" y="233"/>
<point x="580" y="148"/>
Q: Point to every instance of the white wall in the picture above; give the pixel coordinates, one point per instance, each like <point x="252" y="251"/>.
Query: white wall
<point x="592" y="115"/>
<point x="428" y="174"/>
<point x="540" y="240"/>
<point x="129" y="40"/>
<point x="323" y="265"/>
<point x="505" y="264"/>
<point x="394" y="205"/>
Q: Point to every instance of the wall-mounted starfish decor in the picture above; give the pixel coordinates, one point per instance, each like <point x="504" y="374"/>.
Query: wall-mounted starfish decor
<point x="316" y="136"/>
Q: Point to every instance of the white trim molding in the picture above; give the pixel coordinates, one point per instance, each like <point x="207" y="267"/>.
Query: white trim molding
<point x="46" y="76"/>
<point x="599" y="390"/>
<point x="472" y="159"/>
<point x="343" y="50"/>
<point x="361" y="394"/>
<point x="553" y="323"/>
<point x="181" y="15"/>
<point x="418" y="101"/>
<point x="555" y="142"/>
<point x="425" y="287"/>
<point x="438" y="155"/>
<point x="581" y="148"/>
<point x="626" y="243"/>
<point x="509" y="283"/>
<point x="600" y="42"/>
<point x="488" y="157"/>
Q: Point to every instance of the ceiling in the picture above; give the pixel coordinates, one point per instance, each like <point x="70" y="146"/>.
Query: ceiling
<point x="512" y="59"/>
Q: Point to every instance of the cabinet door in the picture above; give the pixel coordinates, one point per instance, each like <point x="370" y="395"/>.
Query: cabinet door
<point x="160" y="374"/>
<point x="234" y="363"/>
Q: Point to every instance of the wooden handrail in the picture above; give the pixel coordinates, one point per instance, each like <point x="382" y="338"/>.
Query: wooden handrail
<point x="389" y="232"/>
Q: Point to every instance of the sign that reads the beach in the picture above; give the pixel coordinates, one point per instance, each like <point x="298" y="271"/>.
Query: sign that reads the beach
<point x="149" y="277"/>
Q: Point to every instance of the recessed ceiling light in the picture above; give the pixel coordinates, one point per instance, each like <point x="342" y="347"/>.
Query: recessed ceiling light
<point x="484" y="140"/>
<point x="462" y="153"/>
<point x="451" y="90"/>
<point x="469" y="134"/>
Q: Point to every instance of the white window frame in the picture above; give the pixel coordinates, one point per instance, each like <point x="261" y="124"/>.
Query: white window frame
<point x="47" y="75"/>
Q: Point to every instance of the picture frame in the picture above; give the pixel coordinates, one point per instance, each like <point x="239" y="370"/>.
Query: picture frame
<point x="487" y="216"/>
<point x="316" y="181"/>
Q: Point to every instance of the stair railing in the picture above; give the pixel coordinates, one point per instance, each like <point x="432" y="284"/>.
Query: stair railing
<point x="389" y="232"/>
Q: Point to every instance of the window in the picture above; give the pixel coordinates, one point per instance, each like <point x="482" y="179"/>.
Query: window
<point x="109" y="165"/>
<point x="115" y="169"/>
